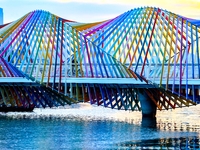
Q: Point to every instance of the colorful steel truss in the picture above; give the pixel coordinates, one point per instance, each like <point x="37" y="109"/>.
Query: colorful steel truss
<point x="153" y="46"/>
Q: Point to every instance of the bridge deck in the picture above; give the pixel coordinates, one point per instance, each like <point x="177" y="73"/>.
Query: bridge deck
<point x="98" y="80"/>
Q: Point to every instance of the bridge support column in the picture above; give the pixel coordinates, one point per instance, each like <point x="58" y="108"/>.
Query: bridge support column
<point x="148" y="110"/>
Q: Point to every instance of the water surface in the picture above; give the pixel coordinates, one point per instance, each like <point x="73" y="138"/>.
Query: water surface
<point x="179" y="129"/>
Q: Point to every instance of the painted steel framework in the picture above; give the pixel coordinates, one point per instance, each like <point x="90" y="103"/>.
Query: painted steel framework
<point x="147" y="44"/>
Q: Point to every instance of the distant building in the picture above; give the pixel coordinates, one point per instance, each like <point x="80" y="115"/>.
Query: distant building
<point x="1" y="16"/>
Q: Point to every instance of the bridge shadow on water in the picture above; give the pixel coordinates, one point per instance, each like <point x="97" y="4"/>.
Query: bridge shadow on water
<point x="183" y="137"/>
<point x="163" y="143"/>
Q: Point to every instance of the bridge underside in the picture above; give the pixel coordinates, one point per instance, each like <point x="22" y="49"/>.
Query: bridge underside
<point x="115" y="96"/>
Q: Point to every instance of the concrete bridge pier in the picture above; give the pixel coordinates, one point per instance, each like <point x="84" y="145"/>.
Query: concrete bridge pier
<point x="148" y="110"/>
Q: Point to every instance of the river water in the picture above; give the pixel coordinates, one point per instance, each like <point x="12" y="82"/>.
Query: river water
<point x="89" y="127"/>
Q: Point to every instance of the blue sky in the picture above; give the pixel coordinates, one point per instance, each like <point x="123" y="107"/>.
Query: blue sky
<point x="94" y="10"/>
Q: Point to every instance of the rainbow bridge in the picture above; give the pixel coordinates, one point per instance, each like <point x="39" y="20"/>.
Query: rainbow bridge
<point x="144" y="59"/>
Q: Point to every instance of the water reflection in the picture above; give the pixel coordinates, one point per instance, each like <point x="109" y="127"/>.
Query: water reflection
<point x="169" y="143"/>
<point x="149" y="122"/>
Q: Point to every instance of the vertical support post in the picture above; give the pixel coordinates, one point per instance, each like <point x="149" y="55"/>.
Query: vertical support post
<point x="148" y="110"/>
<point x="147" y="105"/>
